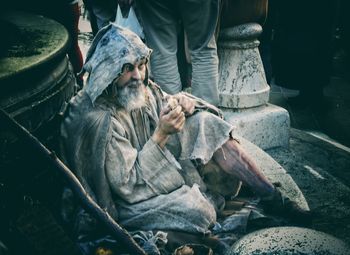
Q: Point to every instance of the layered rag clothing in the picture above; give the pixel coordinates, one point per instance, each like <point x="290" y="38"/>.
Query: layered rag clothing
<point x="141" y="185"/>
<point x="129" y="175"/>
<point x="144" y="186"/>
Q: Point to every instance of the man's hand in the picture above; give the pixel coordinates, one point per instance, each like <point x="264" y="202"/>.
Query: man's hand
<point x="170" y="122"/>
<point x="187" y="104"/>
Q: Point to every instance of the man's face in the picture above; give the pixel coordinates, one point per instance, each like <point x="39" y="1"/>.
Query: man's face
<point x="132" y="73"/>
<point x="130" y="87"/>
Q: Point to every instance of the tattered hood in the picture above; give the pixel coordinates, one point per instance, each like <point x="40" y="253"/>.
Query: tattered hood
<point x="112" y="47"/>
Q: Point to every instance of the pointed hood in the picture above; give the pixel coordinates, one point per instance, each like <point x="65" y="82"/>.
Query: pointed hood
<point x="111" y="49"/>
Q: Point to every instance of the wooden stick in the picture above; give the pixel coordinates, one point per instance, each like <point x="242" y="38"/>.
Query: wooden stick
<point x="87" y="202"/>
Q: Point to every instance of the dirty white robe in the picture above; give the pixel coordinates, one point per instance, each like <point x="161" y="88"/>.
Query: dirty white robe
<point x="141" y="185"/>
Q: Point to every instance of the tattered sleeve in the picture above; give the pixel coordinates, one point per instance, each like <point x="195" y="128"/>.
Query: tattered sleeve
<point x="134" y="175"/>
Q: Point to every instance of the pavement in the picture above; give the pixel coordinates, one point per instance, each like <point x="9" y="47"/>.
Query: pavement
<point x="318" y="158"/>
<point x="320" y="168"/>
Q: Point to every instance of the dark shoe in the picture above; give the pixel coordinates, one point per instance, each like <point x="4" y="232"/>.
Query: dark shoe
<point x="282" y="206"/>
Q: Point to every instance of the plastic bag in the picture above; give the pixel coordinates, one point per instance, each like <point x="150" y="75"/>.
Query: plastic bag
<point x="131" y="22"/>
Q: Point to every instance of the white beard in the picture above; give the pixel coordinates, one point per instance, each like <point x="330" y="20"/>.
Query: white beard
<point x="131" y="98"/>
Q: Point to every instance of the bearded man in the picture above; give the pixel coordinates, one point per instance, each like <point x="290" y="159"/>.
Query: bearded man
<point x="140" y="152"/>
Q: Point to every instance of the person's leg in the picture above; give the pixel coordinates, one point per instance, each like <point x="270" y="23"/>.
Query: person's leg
<point x="91" y="15"/>
<point x="74" y="52"/>
<point x="160" y="23"/>
<point x="200" y="19"/>
<point x="68" y="15"/>
<point x="235" y="161"/>
<point x="104" y="11"/>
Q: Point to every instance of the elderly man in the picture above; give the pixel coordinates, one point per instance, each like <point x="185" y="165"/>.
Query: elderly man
<point x="139" y="151"/>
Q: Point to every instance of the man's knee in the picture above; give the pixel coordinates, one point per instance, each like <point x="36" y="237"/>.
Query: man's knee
<point x="218" y="180"/>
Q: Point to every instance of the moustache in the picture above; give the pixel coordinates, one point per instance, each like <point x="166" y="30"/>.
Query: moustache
<point x="133" y="84"/>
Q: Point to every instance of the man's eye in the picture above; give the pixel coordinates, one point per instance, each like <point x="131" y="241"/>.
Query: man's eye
<point x="141" y="66"/>
<point x="128" y="68"/>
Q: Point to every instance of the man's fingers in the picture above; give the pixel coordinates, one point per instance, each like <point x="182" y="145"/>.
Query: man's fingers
<point x="189" y="108"/>
<point x="172" y="120"/>
<point x="182" y="101"/>
<point x="175" y="113"/>
<point x="172" y="113"/>
<point x="165" y="111"/>
<point x="181" y="117"/>
<point x="187" y="104"/>
<point x="177" y="110"/>
<point x="181" y="124"/>
<point x="180" y="120"/>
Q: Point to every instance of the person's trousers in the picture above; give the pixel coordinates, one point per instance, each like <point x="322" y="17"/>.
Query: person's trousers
<point x="160" y="20"/>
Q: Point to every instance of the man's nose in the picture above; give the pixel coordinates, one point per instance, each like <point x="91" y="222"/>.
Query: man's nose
<point x="136" y="74"/>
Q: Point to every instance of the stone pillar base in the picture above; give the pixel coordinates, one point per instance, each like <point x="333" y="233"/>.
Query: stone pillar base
<point x="267" y="126"/>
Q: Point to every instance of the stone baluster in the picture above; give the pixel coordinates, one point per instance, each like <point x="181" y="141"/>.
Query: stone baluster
<point x="244" y="92"/>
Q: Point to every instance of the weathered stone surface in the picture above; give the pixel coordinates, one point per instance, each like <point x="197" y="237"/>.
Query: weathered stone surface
<point x="38" y="41"/>
<point x="242" y="81"/>
<point x="289" y="240"/>
<point x="243" y="90"/>
<point x="242" y="32"/>
<point x="266" y="126"/>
